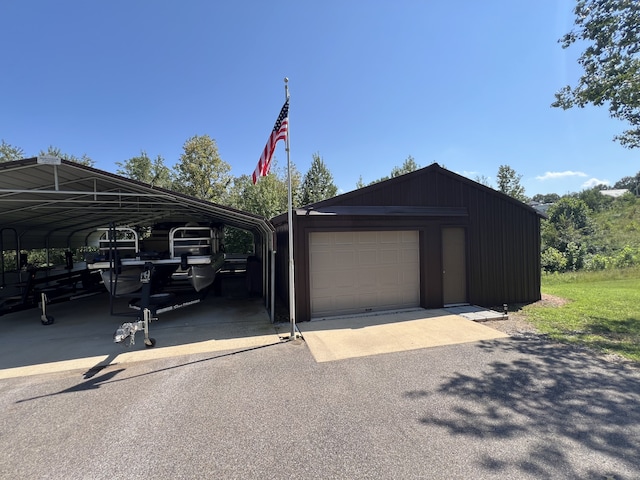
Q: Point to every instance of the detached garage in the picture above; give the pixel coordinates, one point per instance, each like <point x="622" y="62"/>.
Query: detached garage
<point x="427" y="239"/>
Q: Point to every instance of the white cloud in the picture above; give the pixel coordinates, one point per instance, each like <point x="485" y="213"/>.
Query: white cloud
<point x="555" y="175"/>
<point x="592" y="182"/>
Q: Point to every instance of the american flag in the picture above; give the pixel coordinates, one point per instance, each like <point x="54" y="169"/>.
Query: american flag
<point x="279" y="133"/>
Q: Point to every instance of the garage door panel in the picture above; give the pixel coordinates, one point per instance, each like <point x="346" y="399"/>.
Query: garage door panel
<point x="363" y="271"/>
<point x="344" y="260"/>
<point x="320" y="238"/>
<point x="390" y="257"/>
<point x="344" y="238"/>
<point x="321" y="258"/>
<point x="364" y="238"/>
<point x="410" y="257"/>
<point x="367" y="257"/>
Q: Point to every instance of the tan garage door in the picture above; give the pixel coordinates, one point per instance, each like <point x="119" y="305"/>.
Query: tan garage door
<point x="358" y="272"/>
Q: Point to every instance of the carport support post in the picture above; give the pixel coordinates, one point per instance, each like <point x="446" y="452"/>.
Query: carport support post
<point x="273" y="286"/>
<point x="292" y="298"/>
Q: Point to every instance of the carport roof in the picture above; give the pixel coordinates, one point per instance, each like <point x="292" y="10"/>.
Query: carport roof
<point x="57" y="203"/>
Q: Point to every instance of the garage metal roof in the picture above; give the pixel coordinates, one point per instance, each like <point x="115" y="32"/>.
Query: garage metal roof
<point x="49" y="202"/>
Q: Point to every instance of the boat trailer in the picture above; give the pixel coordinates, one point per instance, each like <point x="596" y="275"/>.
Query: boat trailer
<point x="150" y="305"/>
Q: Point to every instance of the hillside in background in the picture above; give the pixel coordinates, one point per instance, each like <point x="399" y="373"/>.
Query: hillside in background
<point x="591" y="231"/>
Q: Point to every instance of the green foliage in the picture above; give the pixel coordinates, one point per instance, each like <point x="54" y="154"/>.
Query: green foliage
<point x="566" y="232"/>
<point x="571" y="213"/>
<point x="607" y="237"/>
<point x="9" y="153"/>
<point x="595" y="200"/>
<point x="201" y="172"/>
<point x="630" y="183"/>
<point x="141" y="168"/>
<point x="552" y="260"/>
<point x="509" y="183"/>
<point x="408" y="166"/>
<point x="483" y="180"/>
<point x="601" y="312"/>
<point x="546" y="198"/>
<point x="237" y="240"/>
<point x="597" y="262"/>
<point x="318" y="183"/>
<point x="610" y="60"/>
<point x="267" y="198"/>
<point x="627" y="257"/>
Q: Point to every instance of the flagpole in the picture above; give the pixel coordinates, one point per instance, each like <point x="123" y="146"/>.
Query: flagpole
<point x="292" y="297"/>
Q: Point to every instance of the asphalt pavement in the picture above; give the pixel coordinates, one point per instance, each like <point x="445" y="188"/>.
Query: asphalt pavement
<point x="517" y="408"/>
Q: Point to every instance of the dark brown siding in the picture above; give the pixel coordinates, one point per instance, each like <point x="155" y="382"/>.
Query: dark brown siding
<point x="503" y="236"/>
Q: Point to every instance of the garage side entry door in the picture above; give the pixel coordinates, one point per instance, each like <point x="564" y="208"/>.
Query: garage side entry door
<point x="454" y="266"/>
<point x="359" y="272"/>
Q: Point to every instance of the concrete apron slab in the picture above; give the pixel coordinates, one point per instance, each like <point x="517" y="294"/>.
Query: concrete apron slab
<point x="82" y="335"/>
<point x="359" y="336"/>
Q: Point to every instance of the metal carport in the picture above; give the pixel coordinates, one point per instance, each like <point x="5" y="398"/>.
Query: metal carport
<point x="47" y="202"/>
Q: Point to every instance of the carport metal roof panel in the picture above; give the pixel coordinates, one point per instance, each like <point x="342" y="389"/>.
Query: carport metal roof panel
<point x="57" y="203"/>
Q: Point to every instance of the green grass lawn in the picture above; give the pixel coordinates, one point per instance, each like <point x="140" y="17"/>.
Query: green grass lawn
<point x="602" y="312"/>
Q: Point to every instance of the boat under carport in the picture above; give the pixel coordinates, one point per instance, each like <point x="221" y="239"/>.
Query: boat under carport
<point x="47" y="202"/>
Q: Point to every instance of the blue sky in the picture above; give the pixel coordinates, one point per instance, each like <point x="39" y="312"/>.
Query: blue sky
<point x="463" y="83"/>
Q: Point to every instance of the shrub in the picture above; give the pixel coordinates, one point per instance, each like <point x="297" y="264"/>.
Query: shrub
<point x="552" y="260"/>
<point x="597" y="262"/>
<point x="627" y="257"/>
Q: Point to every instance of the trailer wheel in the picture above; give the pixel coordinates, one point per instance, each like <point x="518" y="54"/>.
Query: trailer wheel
<point x="47" y="319"/>
<point x="150" y="343"/>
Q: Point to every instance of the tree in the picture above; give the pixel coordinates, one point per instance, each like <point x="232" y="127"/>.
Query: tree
<point x="144" y="170"/>
<point x="630" y="183"/>
<point x="267" y="198"/>
<point x="317" y="183"/>
<point x="611" y="62"/>
<point x="408" y="166"/>
<point x="9" y="153"/>
<point x="509" y="183"/>
<point x="483" y="179"/>
<point x="546" y="197"/>
<point x="56" y="152"/>
<point x="568" y="230"/>
<point x="201" y="172"/>
<point x="594" y="199"/>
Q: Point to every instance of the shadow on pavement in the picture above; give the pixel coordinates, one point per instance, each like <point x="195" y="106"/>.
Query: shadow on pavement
<point x="564" y="395"/>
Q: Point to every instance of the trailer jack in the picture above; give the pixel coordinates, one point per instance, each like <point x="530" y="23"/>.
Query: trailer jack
<point x="128" y="330"/>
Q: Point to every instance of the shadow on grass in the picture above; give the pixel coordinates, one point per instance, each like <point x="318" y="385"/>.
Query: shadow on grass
<point x="564" y="398"/>
<point x="620" y="337"/>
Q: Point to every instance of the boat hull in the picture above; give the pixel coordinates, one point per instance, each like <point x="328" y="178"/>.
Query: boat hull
<point x="122" y="284"/>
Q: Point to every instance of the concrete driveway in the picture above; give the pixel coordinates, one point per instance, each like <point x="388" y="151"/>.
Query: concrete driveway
<point x="81" y="336"/>
<point x="364" y="335"/>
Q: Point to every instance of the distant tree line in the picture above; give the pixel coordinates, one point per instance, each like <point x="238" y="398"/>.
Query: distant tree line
<point x="582" y="230"/>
